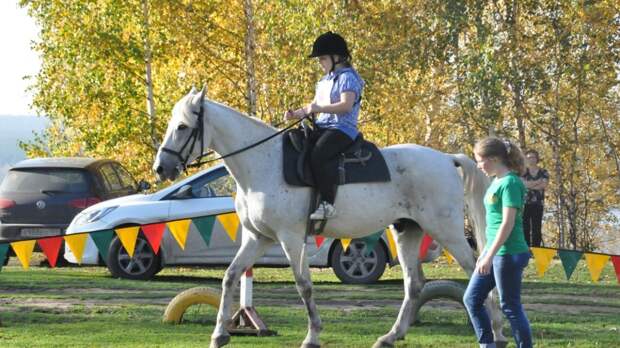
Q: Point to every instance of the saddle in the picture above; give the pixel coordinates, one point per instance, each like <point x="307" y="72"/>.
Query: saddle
<point x="361" y="162"/>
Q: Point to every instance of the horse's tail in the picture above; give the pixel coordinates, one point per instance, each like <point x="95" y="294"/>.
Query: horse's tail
<point x="475" y="184"/>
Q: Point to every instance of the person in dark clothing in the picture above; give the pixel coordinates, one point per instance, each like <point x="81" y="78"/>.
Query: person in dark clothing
<point x="536" y="180"/>
<point x="337" y="103"/>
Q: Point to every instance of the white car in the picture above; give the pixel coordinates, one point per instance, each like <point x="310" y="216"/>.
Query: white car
<point x="206" y="193"/>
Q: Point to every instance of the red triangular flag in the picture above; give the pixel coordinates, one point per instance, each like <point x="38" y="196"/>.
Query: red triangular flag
<point x="153" y="234"/>
<point x="616" y="261"/>
<point x="426" y="242"/>
<point x="51" y="248"/>
<point x="319" y="240"/>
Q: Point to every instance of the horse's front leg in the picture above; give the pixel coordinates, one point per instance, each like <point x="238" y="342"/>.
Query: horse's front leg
<point x="292" y="245"/>
<point x="253" y="246"/>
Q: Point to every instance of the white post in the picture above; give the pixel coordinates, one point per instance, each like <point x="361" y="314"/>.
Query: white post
<point x="245" y="296"/>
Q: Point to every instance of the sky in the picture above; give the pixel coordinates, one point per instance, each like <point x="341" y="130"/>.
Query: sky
<point x="17" y="31"/>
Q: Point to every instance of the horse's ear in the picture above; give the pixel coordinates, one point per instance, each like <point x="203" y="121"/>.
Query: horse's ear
<point x="200" y="96"/>
<point x="203" y="92"/>
<point x="193" y="90"/>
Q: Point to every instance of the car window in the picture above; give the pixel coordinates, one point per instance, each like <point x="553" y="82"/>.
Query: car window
<point x="127" y="180"/>
<point x="217" y="184"/>
<point x="110" y="178"/>
<point x="38" y="179"/>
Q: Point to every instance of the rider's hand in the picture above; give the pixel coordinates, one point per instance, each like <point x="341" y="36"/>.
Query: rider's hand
<point x="289" y="115"/>
<point x="311" y="108"/>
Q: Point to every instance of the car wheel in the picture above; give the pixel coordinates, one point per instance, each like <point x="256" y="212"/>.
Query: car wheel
<point x="142" y="266"/>
<point x="354" y="266"/>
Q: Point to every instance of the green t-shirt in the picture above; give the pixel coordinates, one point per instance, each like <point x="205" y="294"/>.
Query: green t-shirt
<point x="507" y="191"/>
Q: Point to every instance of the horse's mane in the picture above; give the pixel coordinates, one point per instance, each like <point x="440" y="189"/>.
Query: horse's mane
<point x="254" y="120"/>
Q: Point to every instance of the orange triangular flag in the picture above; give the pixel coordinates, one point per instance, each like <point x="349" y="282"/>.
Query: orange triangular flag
<point x="128" y="237"/>
<point x="319" y="240"/>
<point x="51" y="248"/>
<point x="76" y="243"/>
<point x="179" y="230"/>
<point x="596" y="263"/>
<point x="23" y="250"/>
<point x="448" y="256"/>
<point x="154" y="234"/>
<point x="230" y="222"/>
<point x="345" y="243"/>
<point x="542" y="258"/>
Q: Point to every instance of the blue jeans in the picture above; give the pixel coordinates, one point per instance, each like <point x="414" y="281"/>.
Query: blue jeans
<point x="506" y="273"/>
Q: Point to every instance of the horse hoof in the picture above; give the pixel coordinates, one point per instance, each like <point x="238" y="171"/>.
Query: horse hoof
<point x="310" y="345"/>
<point x="382" y="344"/>
<point x="219" y="341"/>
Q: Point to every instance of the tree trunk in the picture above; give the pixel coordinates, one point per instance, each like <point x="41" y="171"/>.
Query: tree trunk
<point x="150" y="102"/>
<point x="250" y="48"/>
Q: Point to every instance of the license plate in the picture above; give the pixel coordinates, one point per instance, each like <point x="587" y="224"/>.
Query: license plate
<point x="40" y="232"/>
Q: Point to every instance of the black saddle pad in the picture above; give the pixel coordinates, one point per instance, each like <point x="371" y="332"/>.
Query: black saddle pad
<point x="373" y="170"/>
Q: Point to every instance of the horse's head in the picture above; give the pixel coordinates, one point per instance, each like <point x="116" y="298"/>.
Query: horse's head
<point x="186" y="137"/>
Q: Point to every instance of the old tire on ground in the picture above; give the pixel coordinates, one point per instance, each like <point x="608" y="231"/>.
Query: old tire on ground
<point x="438" y="289"/>
<point x="179" y="304"/>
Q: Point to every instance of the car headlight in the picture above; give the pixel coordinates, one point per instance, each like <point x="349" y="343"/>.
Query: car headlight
<point x="92" y="216"/>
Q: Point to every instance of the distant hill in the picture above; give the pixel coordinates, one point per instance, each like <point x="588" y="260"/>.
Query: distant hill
<point x="12" y="130"/>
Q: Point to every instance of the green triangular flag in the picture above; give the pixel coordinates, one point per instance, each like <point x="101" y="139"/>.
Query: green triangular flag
<point x="569" y="259"/>
<point x="371" y="241"/>
<point x="102" y="240"/>
<point x="204" y="225"/>
<point x="3" y="249"/>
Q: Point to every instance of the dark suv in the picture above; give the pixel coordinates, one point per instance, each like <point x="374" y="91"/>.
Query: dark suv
<point x="39" y="197"/>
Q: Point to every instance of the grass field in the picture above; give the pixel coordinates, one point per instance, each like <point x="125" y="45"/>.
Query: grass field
<point x="85" y="307"/>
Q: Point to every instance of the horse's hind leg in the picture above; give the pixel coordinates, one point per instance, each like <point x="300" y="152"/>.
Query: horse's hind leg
<point x="408" y="237"/>
<point x="253" y="246"/>
<point x="292" y="245"/>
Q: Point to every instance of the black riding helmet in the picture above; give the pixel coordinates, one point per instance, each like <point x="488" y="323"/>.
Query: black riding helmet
<point x="330" y="44"/>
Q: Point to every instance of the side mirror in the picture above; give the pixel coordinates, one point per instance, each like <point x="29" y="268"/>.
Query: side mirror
<point x="184" y="192"/>
<point x="143" y="185"/>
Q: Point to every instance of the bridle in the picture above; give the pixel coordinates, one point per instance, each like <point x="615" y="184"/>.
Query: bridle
<point x="198" y="132"/>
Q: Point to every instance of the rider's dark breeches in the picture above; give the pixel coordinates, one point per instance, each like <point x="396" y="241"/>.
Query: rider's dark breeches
<point x="324" y="161"/>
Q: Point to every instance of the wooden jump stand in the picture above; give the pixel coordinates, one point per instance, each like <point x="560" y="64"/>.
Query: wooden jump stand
<point x="246" y="321"/>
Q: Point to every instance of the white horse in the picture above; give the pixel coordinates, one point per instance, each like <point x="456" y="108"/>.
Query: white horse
<point x="425" y="194"/>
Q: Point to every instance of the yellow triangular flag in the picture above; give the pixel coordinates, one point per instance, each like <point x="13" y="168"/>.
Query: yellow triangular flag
<point x="543" y="258"/>
<point x="23" y="250"/>
<point x="448" y="256"/>
<point x="391" y="243"/>
<point x="76" y="243"/>
<point x="230" y="222"/>
<point x="596" y="263"/>
<point x="179" y="230"/>
<point x="128" y="237"/>
<point x="345" y="243"/>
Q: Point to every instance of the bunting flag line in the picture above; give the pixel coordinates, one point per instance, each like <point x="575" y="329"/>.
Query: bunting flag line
<point x="76" y="243"/>
<point x="23" y="250"/>
<point x="569" y="258"/>
<point x="371" y="241"/>
<point x="426" y="242"/>
<point x="102" y="240"/>
<point x="154" y="233"/>
<point x="51" y="249"/>
<point x="230" y="222"/>
<point x="596" y="263"/>
<point x="128" y="237"/>
<point x="179" y="230"/>
<point x="391" y="243"/>
<point x="204" y="225"/>
<point x="319" y="240"/>
<point x="542" y="258"/>
<point x="345" y="243"/>
<point x="4" y="249"/>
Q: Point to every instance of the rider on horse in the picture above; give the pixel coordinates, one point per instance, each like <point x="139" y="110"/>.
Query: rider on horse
<point x="337" y="102"/>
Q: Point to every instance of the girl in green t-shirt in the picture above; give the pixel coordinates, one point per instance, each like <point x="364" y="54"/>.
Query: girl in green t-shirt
<point x="506" y="253"/>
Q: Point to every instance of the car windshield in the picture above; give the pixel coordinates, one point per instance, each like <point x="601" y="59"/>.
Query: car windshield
<point x="42" y="179"/>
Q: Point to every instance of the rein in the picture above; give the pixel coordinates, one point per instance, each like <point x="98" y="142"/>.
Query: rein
<point x="199" y="133"/>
